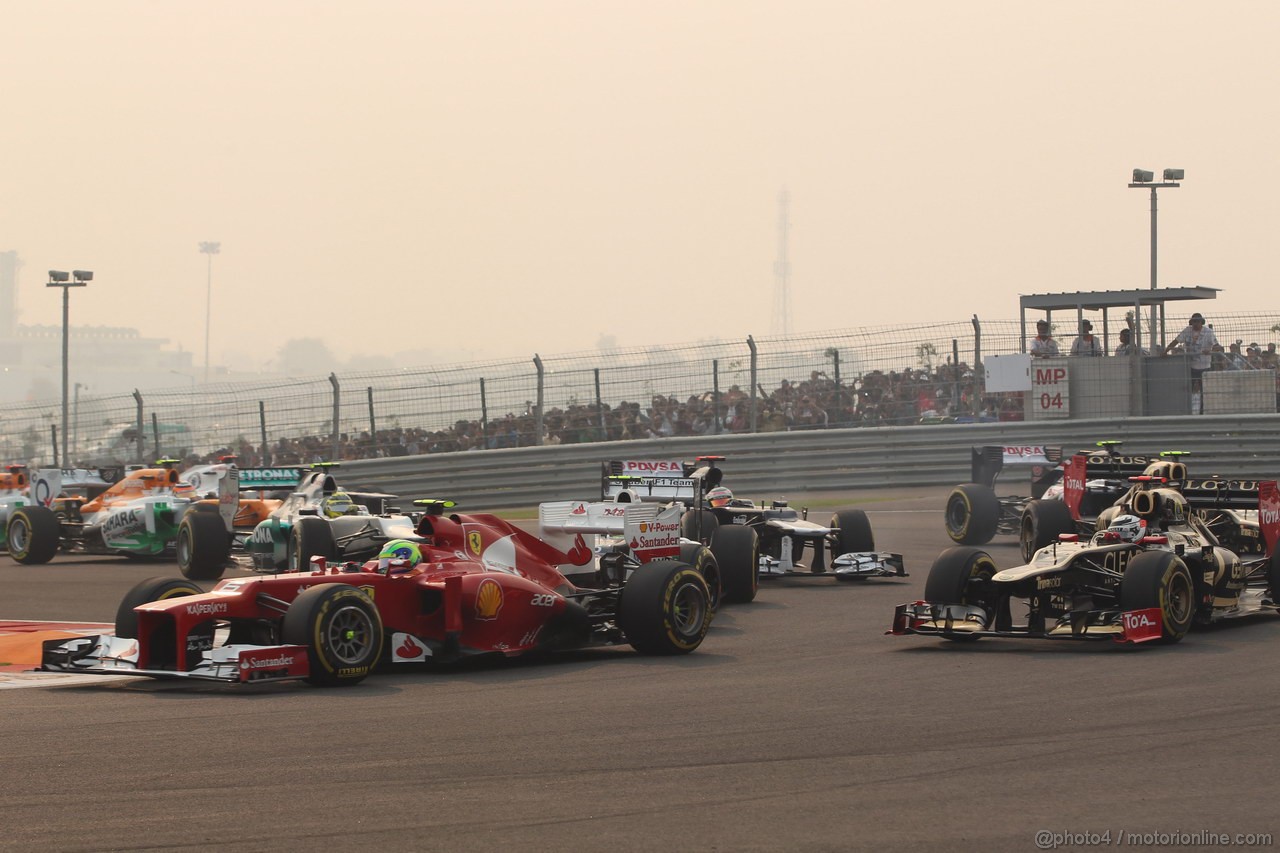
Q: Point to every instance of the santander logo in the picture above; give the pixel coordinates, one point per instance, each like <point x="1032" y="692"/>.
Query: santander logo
<point x="579" y="554"/>
<point x="409" y="648"/>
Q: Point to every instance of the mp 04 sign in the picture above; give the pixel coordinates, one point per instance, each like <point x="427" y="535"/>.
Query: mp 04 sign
<point x="1050" y="394"/>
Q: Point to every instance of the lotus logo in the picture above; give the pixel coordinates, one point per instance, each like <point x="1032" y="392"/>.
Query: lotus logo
<point x="475" y="542"/>
<point x="488" y="600"/>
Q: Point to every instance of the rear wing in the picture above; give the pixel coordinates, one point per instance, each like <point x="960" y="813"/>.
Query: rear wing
<point x="50" y="483"/>
<point x="651" y="532"/>
<point x="659" y="480"/>
<point x="1221" y="493"/>
<point x="989" y="460"/>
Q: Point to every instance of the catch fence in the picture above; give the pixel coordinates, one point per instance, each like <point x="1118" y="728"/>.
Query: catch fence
<point x="892" y="375"/>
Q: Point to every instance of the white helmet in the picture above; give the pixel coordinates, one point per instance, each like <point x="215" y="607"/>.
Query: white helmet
<point x="1128" y="528"/>
<point x="719" y="496"/>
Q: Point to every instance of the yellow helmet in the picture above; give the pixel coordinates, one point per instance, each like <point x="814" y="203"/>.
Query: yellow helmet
<point x="339" y="504"/>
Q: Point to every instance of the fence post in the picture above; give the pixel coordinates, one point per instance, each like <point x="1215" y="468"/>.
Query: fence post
<point x="754" y="379"/>
<point x="537" y="417"/>
<point x="834" y="352"/>
<point x="262" y="426"/>
<point x="955" y="375"/>
<point x="53" y="432"/>
<point x="333" y="380"/>
<point x="980" y="375"/>
<point x="137" y="397"/>
<point x="155" y="436"/>
<point x="484" y="415"/>
<point x="373" y="423"/>
<point x="715" y="393"/>
<point x="604" y="432"/>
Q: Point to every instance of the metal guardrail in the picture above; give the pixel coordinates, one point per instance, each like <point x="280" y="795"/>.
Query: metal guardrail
<point x="839" y="460"/>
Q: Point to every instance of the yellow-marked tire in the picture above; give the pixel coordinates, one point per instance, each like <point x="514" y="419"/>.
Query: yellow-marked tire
<point x="704" y="560"/>
<point x="972" y="514"/>
<point x="956" y="577"/>
<point x="665" y="609"/>
<point x="147" y="591"/>
<point x="1042" y="523"/>
<point x="341" y="630"/>
<point x="1162" y="580"/>
<point x="33" y="534"/>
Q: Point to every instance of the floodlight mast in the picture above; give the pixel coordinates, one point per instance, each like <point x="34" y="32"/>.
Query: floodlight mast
<point x="1143" y="179"/>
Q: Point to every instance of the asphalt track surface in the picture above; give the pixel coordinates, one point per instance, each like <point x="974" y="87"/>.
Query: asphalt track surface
<point x="797" y="726"/>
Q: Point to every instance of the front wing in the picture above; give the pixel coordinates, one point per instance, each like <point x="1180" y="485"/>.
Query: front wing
<point x="104" y="654"/>
<point x="963" y="621"/>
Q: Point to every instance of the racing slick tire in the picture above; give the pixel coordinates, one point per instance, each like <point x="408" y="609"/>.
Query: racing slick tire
<point x="1160" y="579"/>
<point x="151" y="589"/>
<point x="1042" y="522"/>
<point x="737" y="550"/>
<point x="972" y="514"/>
<point x="310" y="537"/>
<point x="951" y="580"/>
<point x="341" y="630"/>
<point x="202" y="546"/>
<point x="853" y="533"/>
<point x="698" y="525"/>
<point x="34" y="534"/>
<point x="665" y="609"/>
<point x="704" y="560"/>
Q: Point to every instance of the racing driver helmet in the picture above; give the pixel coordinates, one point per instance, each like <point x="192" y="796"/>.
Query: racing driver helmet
<point x="719" y="496"/>
<point x="400" y="555"/>
<point x="1127" y="528"/>
<point x="339" y="504"/>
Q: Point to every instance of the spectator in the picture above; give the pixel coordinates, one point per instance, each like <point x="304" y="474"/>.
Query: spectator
<point x="1198" y="342"/>
<point x="1043" y="345"/>
<point x="1269" y="358"/>
<point x="1127" y="346"/>
<point x="1235" y="359"/>
<point x="1087" y="344"/>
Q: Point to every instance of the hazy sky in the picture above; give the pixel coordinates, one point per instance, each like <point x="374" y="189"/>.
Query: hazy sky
<point x="491" y="179"/>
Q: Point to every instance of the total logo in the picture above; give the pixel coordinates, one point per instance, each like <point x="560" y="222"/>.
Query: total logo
<point x="1134" y="621"/>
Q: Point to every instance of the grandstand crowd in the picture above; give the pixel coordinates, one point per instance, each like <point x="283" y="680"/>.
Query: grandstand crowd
<point x="942" y="395"/>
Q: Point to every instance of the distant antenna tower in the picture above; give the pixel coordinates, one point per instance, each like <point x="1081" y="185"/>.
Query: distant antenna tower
<point x="781" y="321"/>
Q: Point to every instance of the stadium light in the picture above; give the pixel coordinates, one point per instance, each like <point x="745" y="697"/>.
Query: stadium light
<point x="208" y="249"/>
<point x="1145" y="180"/>
<point x="58" y="278"/>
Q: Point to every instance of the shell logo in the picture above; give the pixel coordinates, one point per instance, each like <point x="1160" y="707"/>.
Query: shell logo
<point x="488" y="600"/>
<point x="644" y="527"/>
<point x="475" y="542"/>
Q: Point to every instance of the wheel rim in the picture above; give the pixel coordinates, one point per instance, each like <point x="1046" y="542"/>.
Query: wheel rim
<point x="294" y="561"/>
<point x="350" y="634"/>
<point x="19" y="536"/>
<point x="1179" y="601"/>
<point x="184" y="546"/>
<point x="957" y="513"/>
<point x="688" y="610"/>
<point x="1028" y="538"/>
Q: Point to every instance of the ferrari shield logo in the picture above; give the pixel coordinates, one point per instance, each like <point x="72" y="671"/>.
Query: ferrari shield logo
<point x="474" y="542"/>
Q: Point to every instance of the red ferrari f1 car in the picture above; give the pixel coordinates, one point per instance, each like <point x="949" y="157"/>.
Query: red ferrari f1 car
<point x="467" y="585"/>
